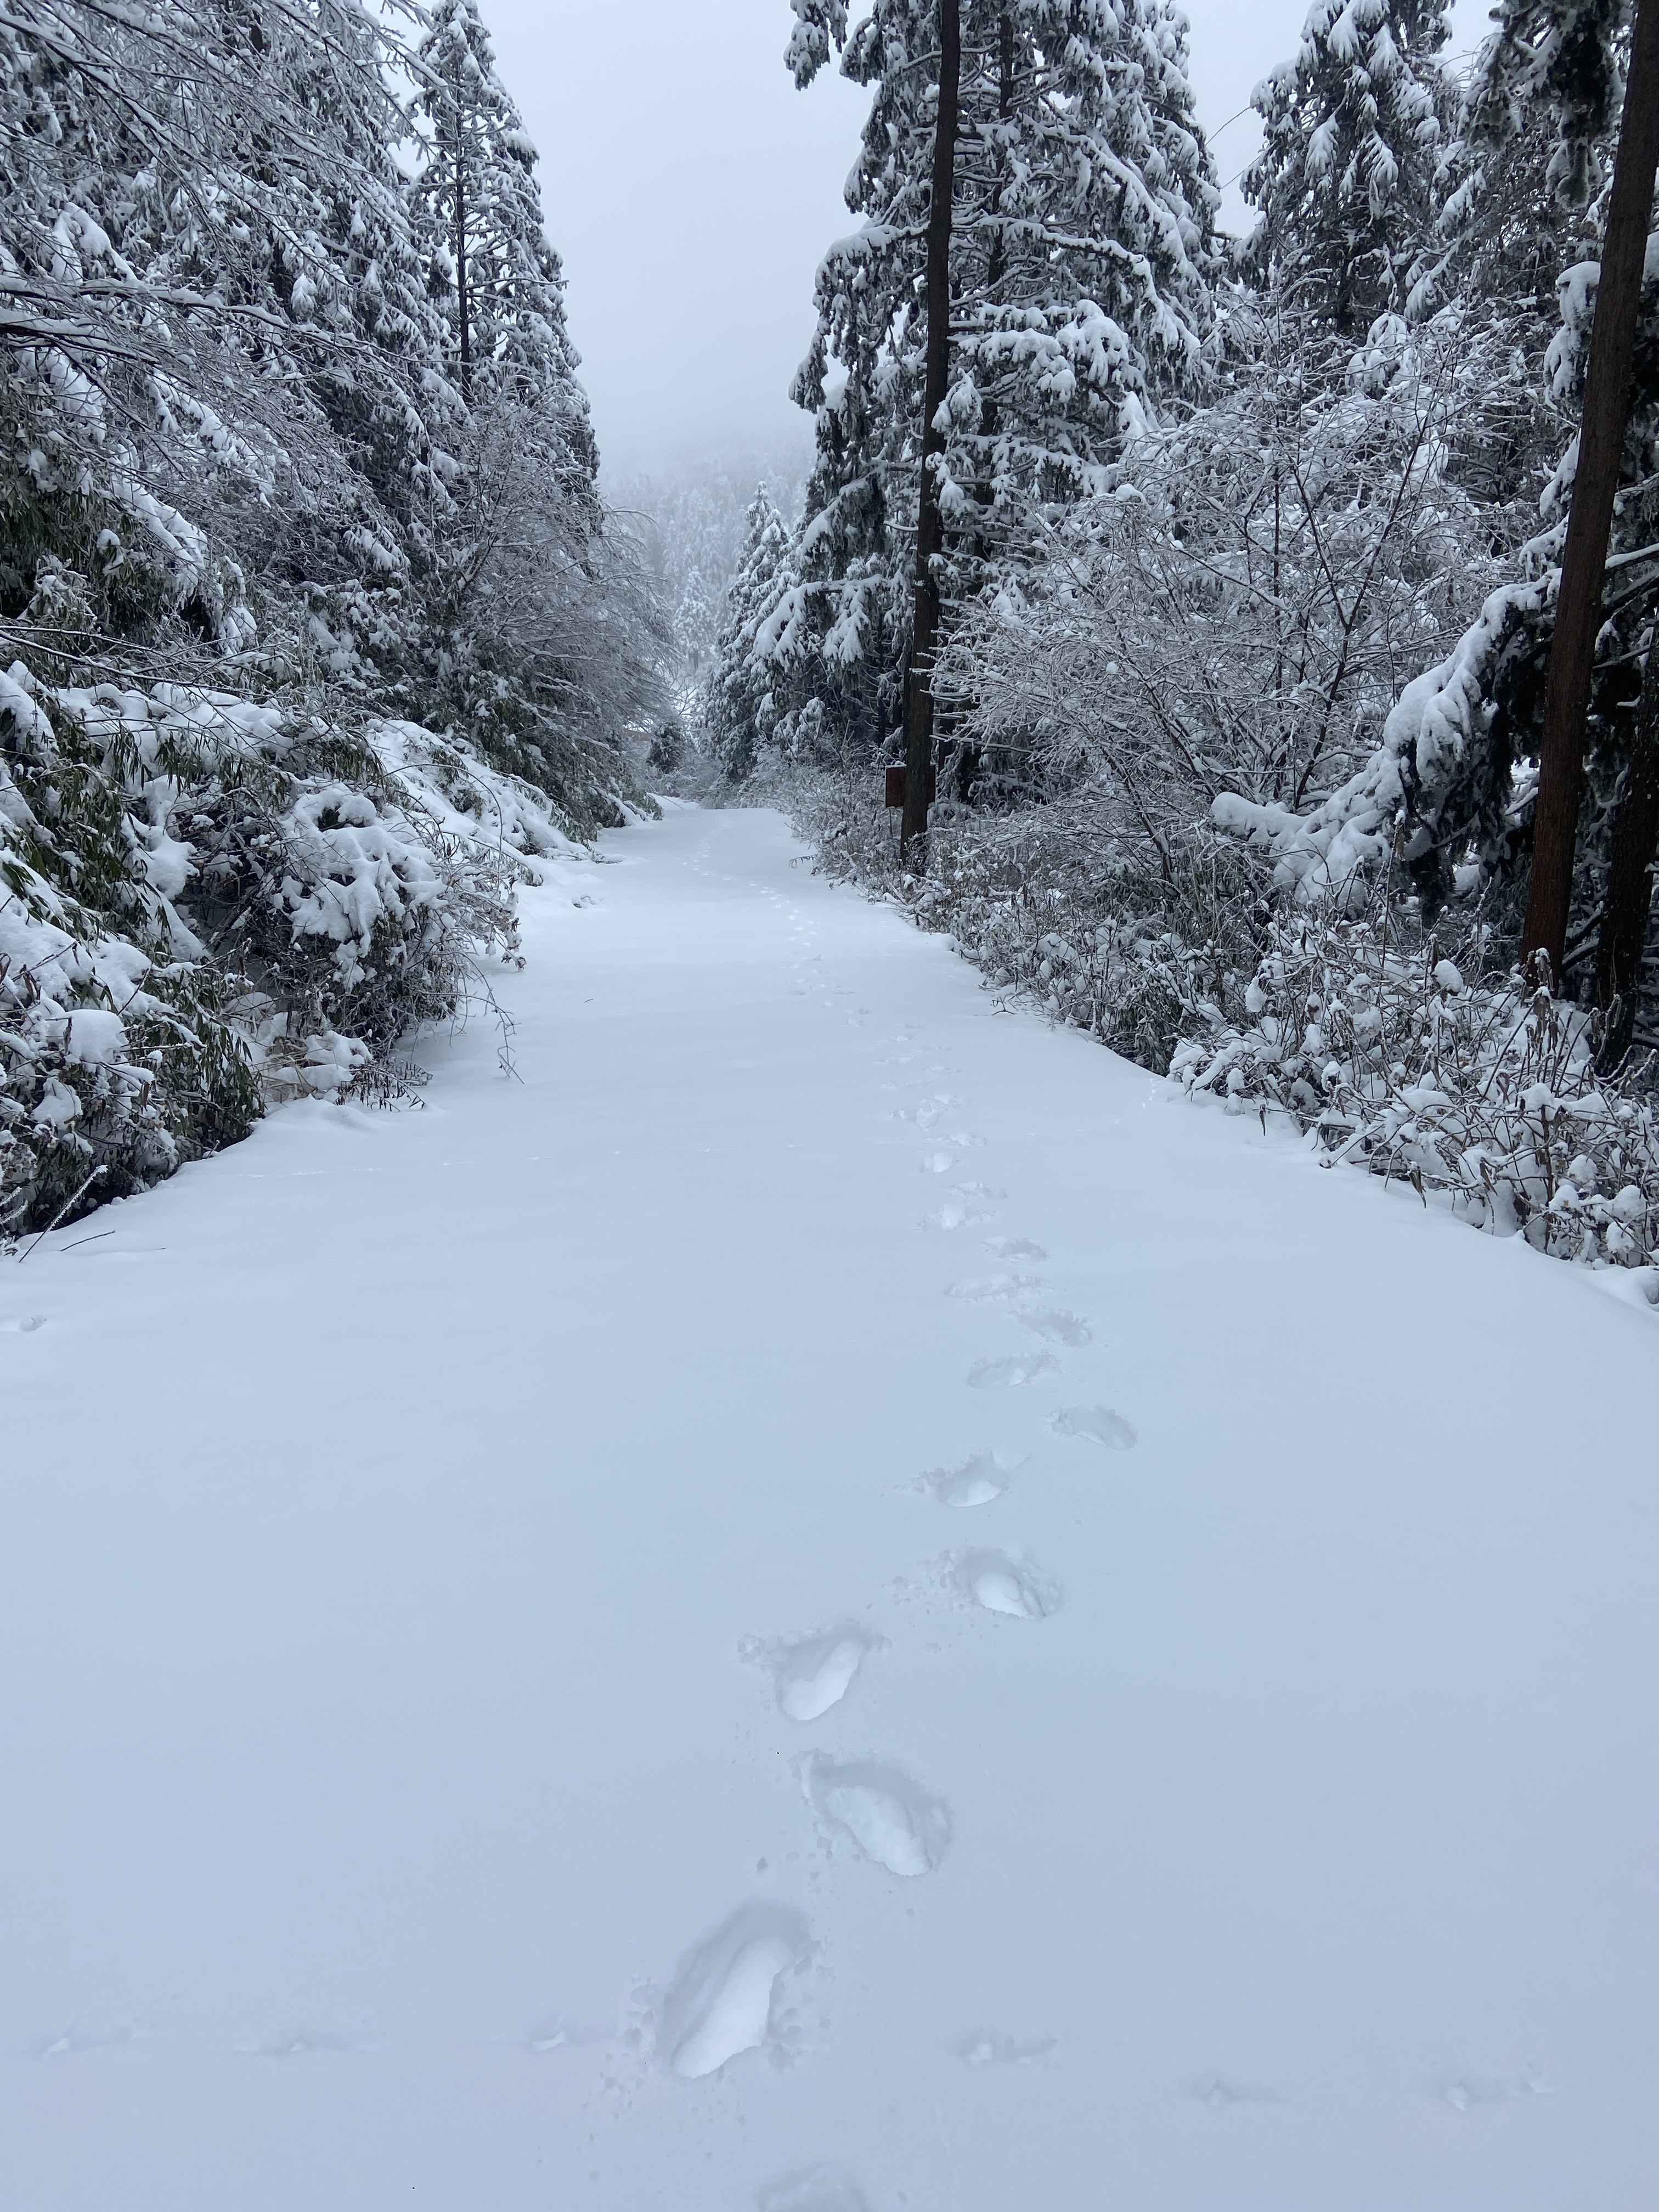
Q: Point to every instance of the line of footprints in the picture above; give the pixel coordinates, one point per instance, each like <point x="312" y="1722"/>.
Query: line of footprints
<point x="726" y="1998"/>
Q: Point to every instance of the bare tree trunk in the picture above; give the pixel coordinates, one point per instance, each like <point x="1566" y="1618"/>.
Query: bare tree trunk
<point x="1629" y="875"/>
<point x="930" y="525"/>
<point x="1600" y="447"/>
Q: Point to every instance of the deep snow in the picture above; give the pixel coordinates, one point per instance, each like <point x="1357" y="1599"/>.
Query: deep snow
<point x="547" y="1662"/>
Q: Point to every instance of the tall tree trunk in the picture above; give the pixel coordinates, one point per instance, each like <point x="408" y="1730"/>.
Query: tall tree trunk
<point x="930" y="526"/>
<point x="1600" y="447"/>
<point x="1630" y="878"/>
<point x="968" y="756"/>
<point x="463" y="300"/>
<point x="999" y="260"/>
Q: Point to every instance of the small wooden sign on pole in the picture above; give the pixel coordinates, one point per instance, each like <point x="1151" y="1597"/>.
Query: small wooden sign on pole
<point x="896" y="785"/>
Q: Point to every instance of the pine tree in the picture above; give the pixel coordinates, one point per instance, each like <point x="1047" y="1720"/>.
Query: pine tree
<point x="1087" y="230"/>
<point x="741" y="708"/>
<point x="1345" y="181"/>
<point x="479" y="222"/>
<point x="1080" y="265"/>
<point x="1563" y="60"/>
<point x="530" y="533"/>
<point x="1535" y="164"/>
<point x="226" y="249"/>
<point x="1600" y="460"/>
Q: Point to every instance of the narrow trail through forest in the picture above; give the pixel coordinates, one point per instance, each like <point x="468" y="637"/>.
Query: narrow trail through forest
<point x="830" y="1600"/>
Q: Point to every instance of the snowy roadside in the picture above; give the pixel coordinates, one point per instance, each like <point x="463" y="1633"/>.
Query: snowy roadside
<point x="1482" y="1096"/>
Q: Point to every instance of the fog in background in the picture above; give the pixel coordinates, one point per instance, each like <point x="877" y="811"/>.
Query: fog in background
<point x="692" y="191"/>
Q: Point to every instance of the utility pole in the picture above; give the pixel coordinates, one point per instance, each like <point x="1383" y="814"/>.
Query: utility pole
<point x="1601" y="448"/>
<point x="930" y="522"/>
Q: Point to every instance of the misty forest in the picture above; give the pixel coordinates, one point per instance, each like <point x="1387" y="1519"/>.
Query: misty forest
<point x="551" y="1014"/>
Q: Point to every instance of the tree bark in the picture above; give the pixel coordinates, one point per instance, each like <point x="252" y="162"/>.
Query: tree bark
<point x="1630" y="875"/>
<point x="968" y="756"/>
<point x="1601" y="448"/>
<point x="930" y="525"/>
<point x="463" y="302"/>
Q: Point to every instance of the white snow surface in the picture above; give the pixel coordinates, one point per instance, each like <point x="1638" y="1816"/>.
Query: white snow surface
<point x="532" y="1678"/>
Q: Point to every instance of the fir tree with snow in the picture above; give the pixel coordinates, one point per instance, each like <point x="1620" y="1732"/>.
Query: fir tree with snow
<point x="515" y="586"/>
<point x="741" y="707"/>
<point x="479" y="227"/>
<point x="1353" y="131"/>
<point x="1080" y="270"/>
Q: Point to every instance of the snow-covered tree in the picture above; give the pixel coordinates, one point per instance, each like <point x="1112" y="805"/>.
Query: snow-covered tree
<point x="527" y="546"/>
<point x="1563" y="60"/>
<point x="740" y="709"/>
<point x="691" y="516"/>
<point x="1083" y="197"/>
<point x="1227" y="633"/>
<point x="479" y="226"/>
<point x="1353" y="131"/>
<point x="249" y="529"/>
<point x="1083" y="244"/>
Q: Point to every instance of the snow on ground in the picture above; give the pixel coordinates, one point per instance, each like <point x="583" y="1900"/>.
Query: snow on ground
<point x="833" y="1600"/>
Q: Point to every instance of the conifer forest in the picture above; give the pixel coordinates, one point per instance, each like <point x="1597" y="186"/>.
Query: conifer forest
<point x="678" y="1123"/>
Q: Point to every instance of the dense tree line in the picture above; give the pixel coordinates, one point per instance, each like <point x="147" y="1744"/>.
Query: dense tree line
<point x="1250" y="569"/>
<point x="315" y="627"/>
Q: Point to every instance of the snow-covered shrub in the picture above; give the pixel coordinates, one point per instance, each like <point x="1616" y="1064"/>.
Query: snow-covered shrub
<point x="206" y="901"/>
<point x="1234" y="620"/>
<point x="1409" y="1063"/>
<point x="114" y="1065"/>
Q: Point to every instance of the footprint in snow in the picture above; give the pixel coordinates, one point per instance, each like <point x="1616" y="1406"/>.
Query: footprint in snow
<point x="810" y="1674"/>
<point x="1018" y="1588"/>
<point x="986" y="2048"/>
<point x="893" y="1820"/>
<point x="1221" y="2091"/>
<point x="814" y="2189"/>
<point x="991" y="1289"/>
<point x="75" y="2040"/>
<point x="976" y="1481"/>
<point x="1464" y="2091"/>
<point x="1099" y="1423"/>
<point x="723" y="1998"/>
<point x="957" y="1141"/>
<point x="1014" y="1247"/>
<point x="968" y="1203"/>
<point x="1011" y="1374"/>
<point x="1058" y="1327"/>
<point x="308" y="2043"/>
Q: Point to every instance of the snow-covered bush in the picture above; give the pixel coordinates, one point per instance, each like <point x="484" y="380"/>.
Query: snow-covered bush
<point x="1235" y="619"/>
<point x="1407" y="1062"/>
<point x="118" y="1060"/>
<point x="205" y="902"/>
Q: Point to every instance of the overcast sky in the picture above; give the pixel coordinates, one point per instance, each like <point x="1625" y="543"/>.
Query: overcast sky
<point x="692" y="191"/>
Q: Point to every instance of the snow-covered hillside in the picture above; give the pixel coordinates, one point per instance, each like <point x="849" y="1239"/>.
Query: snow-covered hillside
<point x="829" y="1599"/>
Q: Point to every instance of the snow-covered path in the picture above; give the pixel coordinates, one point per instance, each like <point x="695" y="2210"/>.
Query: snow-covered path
<point x="411" y="1795"/>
